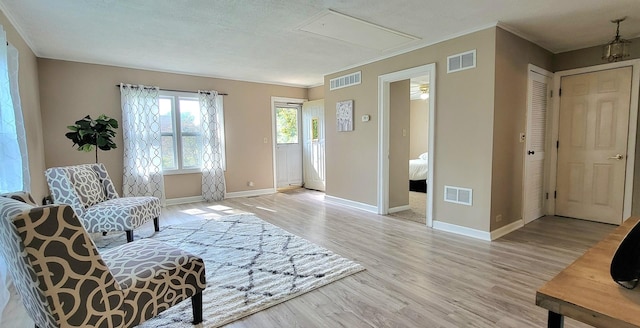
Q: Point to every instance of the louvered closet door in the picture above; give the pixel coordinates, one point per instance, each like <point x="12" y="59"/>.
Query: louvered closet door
<point x="538" y="101"/>
<point x="594" y="124"/>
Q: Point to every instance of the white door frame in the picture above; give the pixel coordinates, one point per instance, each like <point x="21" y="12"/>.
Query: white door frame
<point x="631" y="141"/>
<point x="544" y="72"/>
<point x="274" y="138"/>
<point x="384" y="82"/>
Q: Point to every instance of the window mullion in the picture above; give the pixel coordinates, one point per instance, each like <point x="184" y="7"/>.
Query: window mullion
<point x="178" y="130"/>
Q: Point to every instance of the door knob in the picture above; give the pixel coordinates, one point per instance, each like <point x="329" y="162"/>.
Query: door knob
<point x="530" y="152"/>
<point x="617" y="157"/>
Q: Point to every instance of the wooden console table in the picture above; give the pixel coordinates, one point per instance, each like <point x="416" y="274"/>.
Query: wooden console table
<point x="585" y="291"/>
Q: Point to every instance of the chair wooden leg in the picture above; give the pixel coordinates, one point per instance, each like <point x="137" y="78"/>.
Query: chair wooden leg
<point x="196" y="305"/>
<point x="156" y="224"/>
<point x="129" y="236"/>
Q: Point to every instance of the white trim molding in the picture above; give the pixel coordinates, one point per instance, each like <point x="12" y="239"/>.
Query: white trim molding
<point x="184" y="200"/>
<point x="460" y="230"/>
<point x="509" y="228"/>
<point x="250" y="193"/>
<point x="350" y="203"/>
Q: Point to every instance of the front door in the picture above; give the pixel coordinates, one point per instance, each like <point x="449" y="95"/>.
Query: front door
<point x="288" y="148"/>
<point x="313" y="144"/>
<point x="592" y="149"/>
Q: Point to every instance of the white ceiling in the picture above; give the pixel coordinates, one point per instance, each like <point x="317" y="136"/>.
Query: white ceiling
<point x="260" y="40"/>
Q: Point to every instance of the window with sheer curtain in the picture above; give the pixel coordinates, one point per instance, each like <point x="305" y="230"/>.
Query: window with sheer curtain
<point x="14" y="175"/>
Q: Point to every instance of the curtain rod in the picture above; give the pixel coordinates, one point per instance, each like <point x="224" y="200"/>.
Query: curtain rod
<point x="135" y="86"/>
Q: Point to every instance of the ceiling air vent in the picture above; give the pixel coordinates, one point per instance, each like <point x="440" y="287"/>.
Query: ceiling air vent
<point x="458" y="195"/>
<point x="462" y="61"/>
<point x="345" y="81"/>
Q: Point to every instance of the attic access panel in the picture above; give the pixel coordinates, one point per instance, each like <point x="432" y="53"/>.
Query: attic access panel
<point x="352" y="30"/>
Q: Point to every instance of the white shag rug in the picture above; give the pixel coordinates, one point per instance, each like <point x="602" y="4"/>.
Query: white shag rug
<point x="250" y="265"/>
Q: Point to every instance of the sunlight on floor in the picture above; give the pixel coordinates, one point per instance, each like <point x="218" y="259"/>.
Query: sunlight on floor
<point x="194" y="211"/>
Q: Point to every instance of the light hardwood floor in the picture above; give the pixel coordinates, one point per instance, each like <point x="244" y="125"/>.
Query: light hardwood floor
<point x="415" y="276"/>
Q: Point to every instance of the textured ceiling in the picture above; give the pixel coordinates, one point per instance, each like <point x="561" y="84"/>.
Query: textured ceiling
<point x="260" y="40"/>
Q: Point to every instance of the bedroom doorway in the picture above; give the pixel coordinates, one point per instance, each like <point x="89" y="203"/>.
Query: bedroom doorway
<point x="418" y="148"/>
<point x="384" y="113"/>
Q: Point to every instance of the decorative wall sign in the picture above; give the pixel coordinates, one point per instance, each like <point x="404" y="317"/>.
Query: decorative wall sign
<point x="344" y="114"/>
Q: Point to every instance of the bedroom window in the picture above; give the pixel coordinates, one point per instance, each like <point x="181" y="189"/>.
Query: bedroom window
<point x="180" y="130"/>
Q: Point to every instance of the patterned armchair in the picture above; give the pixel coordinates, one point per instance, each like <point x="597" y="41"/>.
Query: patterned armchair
<point x="64" y="282"/>
<point x="88" y="189"/>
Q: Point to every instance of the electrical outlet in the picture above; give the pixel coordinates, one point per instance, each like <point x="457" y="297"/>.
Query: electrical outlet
<point x="522" y="137"/>
<point x="250" y="183"/>
<point x="498" y="217"/>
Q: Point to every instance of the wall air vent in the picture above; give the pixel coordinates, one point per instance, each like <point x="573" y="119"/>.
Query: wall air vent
<point x="458" y="195"/>
<point x="461" y="61"/>
<point x="345" y="81"/>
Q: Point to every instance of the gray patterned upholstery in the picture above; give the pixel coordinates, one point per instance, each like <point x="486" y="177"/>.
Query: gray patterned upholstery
<point x="65" y="282"/>
<point x="22" y="196"/>
<point x="88" y="189"/>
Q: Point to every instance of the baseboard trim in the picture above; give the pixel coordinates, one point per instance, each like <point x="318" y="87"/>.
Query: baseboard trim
<point x="250" y="193"/>
<point x="460" y="230"/>
<point x="511" y="227"/>
<point x="399" y="209"/>
<point x="351" y="203"/>
<point x="184" y="200"/>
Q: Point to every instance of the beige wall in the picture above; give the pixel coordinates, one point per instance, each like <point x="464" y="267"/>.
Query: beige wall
<point x="71" y="90"/>
<point x="464" y="127"/>
<point x="315" y="93"/>
<point x="419" y="136"/>
<point x="589" y="57"/>
<point x="513" y="55"/>
<point x="399" y="131"/>
<point x="30" y="99"/>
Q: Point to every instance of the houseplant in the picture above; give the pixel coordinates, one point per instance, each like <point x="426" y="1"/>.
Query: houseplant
<point x="90" y="134"/>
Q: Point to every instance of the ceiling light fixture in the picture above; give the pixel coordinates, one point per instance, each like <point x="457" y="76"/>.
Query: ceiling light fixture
<point x="424" y="92"/>
<point x="618" y="48"/>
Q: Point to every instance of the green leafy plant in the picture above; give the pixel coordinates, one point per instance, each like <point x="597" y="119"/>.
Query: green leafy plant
<point x="90" y="134"/>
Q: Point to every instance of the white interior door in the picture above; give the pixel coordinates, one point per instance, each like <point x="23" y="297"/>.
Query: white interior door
<point x="288" y="148"/>
<point x="537" y="105"/>
<point x="593" y="133"/>
<point x="313" y="144"/>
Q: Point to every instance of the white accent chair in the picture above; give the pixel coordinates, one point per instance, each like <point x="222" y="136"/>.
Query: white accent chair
<point x="88" y="189"/>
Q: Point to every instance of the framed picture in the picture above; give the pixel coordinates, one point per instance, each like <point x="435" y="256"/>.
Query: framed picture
<point x="344" y="115"/>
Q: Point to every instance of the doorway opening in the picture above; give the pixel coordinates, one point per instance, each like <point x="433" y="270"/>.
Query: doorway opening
<point x="384" y="113"/>
<point x="287" y="145"/>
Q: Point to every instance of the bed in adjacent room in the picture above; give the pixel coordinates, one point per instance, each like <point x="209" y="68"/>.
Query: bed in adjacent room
<point x="418" y="171"/>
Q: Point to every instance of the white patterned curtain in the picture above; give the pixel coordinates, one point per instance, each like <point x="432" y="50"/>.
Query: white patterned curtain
<point x="14" y="175"/>
<point x="142" y="141"/>
<point x="213" y="185"/>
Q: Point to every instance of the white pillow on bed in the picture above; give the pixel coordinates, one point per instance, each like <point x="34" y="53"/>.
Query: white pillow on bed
<point x="424" y="156"/>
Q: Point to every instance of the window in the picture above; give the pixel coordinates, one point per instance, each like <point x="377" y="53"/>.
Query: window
<point x="287" y="125"/>
<point x="314" y="129"/>
<point x="180" y="129"/>
<point x="14" y="174"/>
